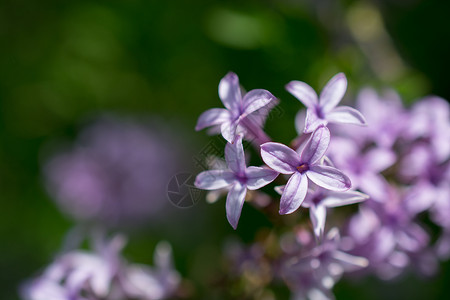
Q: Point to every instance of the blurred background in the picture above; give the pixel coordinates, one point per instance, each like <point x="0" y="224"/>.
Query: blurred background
<point x="64" y="64"/>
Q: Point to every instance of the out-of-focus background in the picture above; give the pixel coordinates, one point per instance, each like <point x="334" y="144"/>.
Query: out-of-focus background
<point x="64" y="63"/>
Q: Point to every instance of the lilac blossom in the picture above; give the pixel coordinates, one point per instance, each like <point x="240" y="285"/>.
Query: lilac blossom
<point x="388" y="235"/>
<point x="362" y="168"/>
<point x="241" y="115"/>
<point x="238" y="178"/>
<point x="116" y="172"/>
<point x="385" y="115"/>
<point x="440" y="210"/>
<point x="322" y="110"/>
<point x="302" y="167"/>
<point x="319" y="200"/>
<point x="430" y="122"/>
<point x="311" y="270"/>
<point x="104" y="274"/>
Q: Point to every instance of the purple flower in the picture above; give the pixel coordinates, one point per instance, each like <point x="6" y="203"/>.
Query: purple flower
<point x="322" y="109"/>
<point x="385" y="115"/>
<point x="104" y="274"/>
<point x="115" y="174"/>
<point x="312" y="271"/>
<point x="319" y="200"/>
<point x="238" y="178"/>
<point x="305" y="166"/>
<point x="362" y="168"/>
<point x="387" y="234"/>
<point x="147" y="283"/>
<point x="430" y="122"/>
<point x="235" y="117"/>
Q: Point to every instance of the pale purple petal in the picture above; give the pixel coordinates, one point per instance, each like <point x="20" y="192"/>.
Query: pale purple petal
<point x="352" y="263"/>
<point x="294" y="193"/>
<point x="300" y="119"/>
<point x="318" y="215"/>
<point x="252" y="129"/>
<point x="385" y="243"/>
<point x="234" y="155"/>
<point x="211" y="117"/>
<point x="303" y="92"/>
<point x="214" y="179"/>
<point x="329" y="178"/>
<point x="335" y="199"/>
<point x="258" y="177"/>
<point x="279" y="157"/>
<point x="316" y="147"/>
<point x="279" y="189"/>
<point x="235" y="200"/>
<point x="312" y="121"/>
<point x="256" y="99"/>
<point x="379" y="159"/>
<point x="230" y="92"/>
<point x="228" y="130"/>
<point x="363" y="224"/>
<point x="333" y="92"/>
<point x="44" y="288"/>
<point x="374" y="185"/>
<point x="346" y="115"/>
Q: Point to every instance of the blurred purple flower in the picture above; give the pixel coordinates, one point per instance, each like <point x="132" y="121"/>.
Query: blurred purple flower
<point x="104" y="274"/>
<point x="386" y="118"/>
<point x="320" y="199"/>
<point x="321" y="110"/>
<point x="440" y="210"/>
<point x="430" y="122"/>
<point x="362" y="168"/>
<point x="312" y="270"/>
<point x="388" y="235"/>
<point x="116" y="174"/>
<point x="304" y="166"/>
<point x="237" y="116"/>
<point x="237" y="177"/>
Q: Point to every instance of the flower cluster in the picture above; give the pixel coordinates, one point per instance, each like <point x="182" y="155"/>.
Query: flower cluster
<point x="113" y="177"/>
<point x="104" y="274"/>
<point x="403" y="163"/>
<point x="396" y="162"/>
<point x="314" y="182"/>
<point x="115" y="174"/>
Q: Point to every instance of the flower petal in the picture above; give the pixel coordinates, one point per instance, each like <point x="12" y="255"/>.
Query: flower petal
<point x="300" y="119"/>
<point x="252" y="127"/>
<point x="303" y="92"/>
<point x="375" y="185"/>
<point x="379" y="159"/>
<point x="234" y="155"/>
<point x="228" y="130"/>
<point x="279" y="189"/>
<point x="350" y="262"/>
<point x="230" y="92"/>
<point x="214" y="179"/>
<point x="316" y="146"/>
<point x="313" y="121"/>
<point x="318" y="215"/>
<point x="294" y="193"/>
<point x="329" y="178"/>
<point x="257" y="99"/>
<point x="333" y="92"/>
<point x="235" y="200"/>
<point x="279" y="157"/>
<point x="211" y="117"/>
<point x="346" y="115"/>
<point x="335" y="199"/>
<point x="258" y="177"/>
